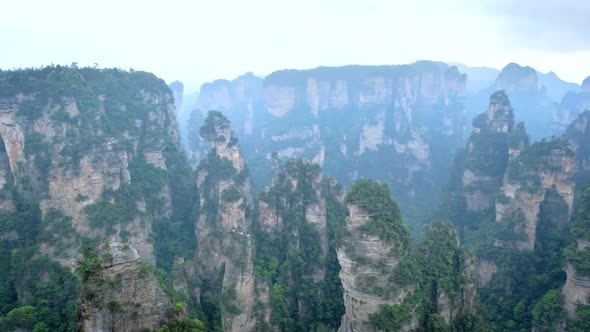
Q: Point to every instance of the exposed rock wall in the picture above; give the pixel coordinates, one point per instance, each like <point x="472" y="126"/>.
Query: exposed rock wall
<point x="73" y="150"/>
<point x="487" y="153"/>
<point x="576" y="290"/>
<point x="293" y="220"/>
<point x="224" y="226"/>
<point x="358" y="258"/>
<point x="91" y="147"/>
<point x="124" y="295"/>
<point x="542" y="166"/>
<point x="343" y="117"/>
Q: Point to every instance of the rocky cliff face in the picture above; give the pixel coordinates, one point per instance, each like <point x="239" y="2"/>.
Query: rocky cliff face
<point x="389" y="286"/>
<point x="366" y="262"/>
<point x="178" y="93"/>
<point x="92" y="150"/>
<point x="121" y="293"/>
<point x="576" y="291"/>
<point x="367" y="259"/>
<point x="487" y="153"/>
<point x="195" y="146"/>
<point x="293" y="232"/>
<point x="538" y="168"/>
<point x="77" y="147"/>
<point x="525" y="195"/>
<point x="224" y="228"/>
<point x="346" y="118"/>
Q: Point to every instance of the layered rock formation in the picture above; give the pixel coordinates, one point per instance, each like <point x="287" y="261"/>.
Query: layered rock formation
<point x="223" y="228"/>
<point x="576" y="291"/>
<point x="542" y="166"/>
<point x="502" y="174"/>
<point x="349" y="118"/>
<point x="293" y="233"/>
<point x="529" y="197"/>
<point x="77" y="145"/>
<point x="375" y="244"/>
<point x="91" y="150"/>
<point x="486" y="153"/>
<point x="389" y="286"/>
<point x="121" y="294"/>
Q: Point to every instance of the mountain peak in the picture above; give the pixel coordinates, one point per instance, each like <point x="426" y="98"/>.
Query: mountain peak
<point x="516" y="77"/>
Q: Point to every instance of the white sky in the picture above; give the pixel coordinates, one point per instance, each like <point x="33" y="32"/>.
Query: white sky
<point x="198" y="41"/>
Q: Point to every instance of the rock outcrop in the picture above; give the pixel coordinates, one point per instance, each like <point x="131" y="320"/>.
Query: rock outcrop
<point x="576" y="291"/>
<point x="389" y="286"/>
<point x="121" y="294"/>
<point x="487" y="154"/>
<point x="542" y="166"/>
<point x="367" y="260"/>
<point x="76" y="146"/>
<point x="293" y="221"/>
<point x="91" y="152"/>
<point x="223" y="228"/>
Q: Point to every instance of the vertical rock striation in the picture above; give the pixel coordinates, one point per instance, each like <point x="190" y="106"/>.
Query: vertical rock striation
<point x="368" y="256"/>
<point x="348" y="118"/>
<point x="121" y="294"/>
<point x="486" y="153"/>
<point x="92" y="150"/>
<point x="224" y="227"/>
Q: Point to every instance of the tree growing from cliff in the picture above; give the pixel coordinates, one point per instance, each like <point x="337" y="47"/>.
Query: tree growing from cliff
<point x="386" y="220"/>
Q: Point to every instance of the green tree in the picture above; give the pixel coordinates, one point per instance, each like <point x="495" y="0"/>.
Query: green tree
<point x="548" y="311"/>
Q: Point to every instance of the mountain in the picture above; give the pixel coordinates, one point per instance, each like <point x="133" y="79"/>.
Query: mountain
<point x="106" y="225"/>
<point x="530" y="103"/>
<point x="388" y="284"/>
<point x="572" y="104"/>
<point x="478" y="78"/>
<point x="555" y="87"/>
<point x="393" y="123"/>
<point x="223" y="228"/>
<point x="89" y="156"/>
<point x="512" y="201"/>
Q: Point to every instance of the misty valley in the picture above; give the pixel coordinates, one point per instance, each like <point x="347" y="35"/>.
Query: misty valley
<point x="420" y="197"/>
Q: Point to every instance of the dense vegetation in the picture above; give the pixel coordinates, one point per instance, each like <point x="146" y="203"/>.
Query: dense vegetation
<point x="36" y="293"/>
<point x="290" y="255"/>
<point x="526" y="290"/>
<point x="95" y="114"/>
<point x="581" y="228"/>
<point x="386" y="220"/>
<point x="119" y="112"/>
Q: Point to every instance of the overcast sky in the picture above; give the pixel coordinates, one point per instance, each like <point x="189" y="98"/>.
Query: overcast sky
<point x="197" y="41"/>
